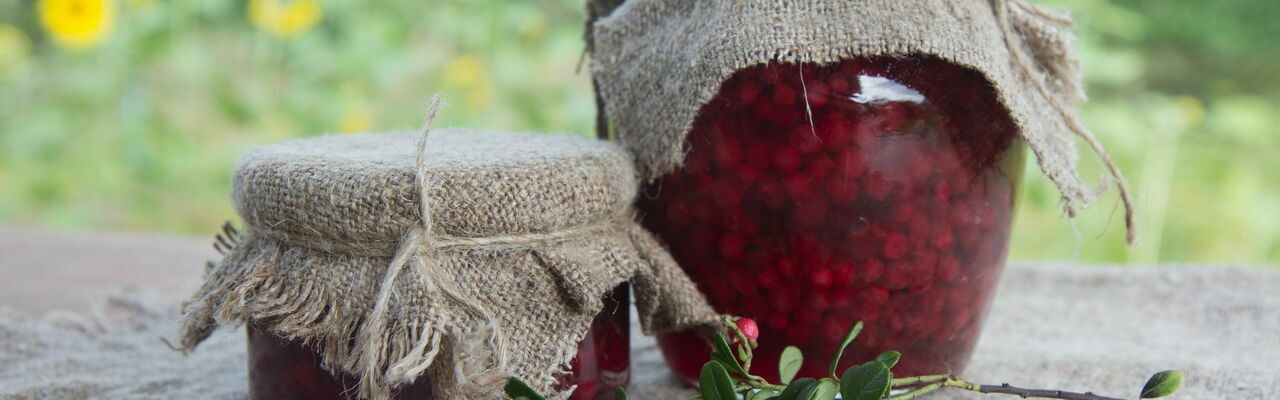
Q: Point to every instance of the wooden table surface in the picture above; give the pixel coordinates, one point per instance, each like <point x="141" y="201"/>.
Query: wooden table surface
<point x="1055" y="325"/>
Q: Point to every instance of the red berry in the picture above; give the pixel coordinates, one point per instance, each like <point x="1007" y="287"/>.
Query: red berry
<point x="768" y="278"/>
<point x="678" y="212"/>
<point x="942" y="192"/>
<point x="783" y="299"/>
<point x="839" y="86"/>
<point x="834" y="329"/>
<point x="773" y="194"/>
<point x="746" y="92"/>
<point x="842" y="273"/>
<point x="778" y="322"/>
<point x="897" y="275"/>
<point x="732" y="247"/>
<point x="849" y="163"/>
<point x="878" y="185"/>
<point x="808" y="317"/>
<point x="821" y="278"/>
<point x="786" y="159"/>
<point x="748" y="175"/>
<point x="749" y="328"/>
<point x="819" y="167"/>
<point x="799" y="333"/>
<point x="948" y="268"/>
<point x="816" y="92"/>
<point x="870" y="270"/>
<point x="697" y="163"/>
<point x="725" y="193"/>
<point x="841" y="189"/>
<point x="798" y="186"/>
<point x="873" y="296"/>
<point x="804" y="138"/>
<point x="745" y="284"/>
<point x="728" y="152"/>
<point x="786" y="267"/>
<point x="833" y="129"/>
<point x="817" y="301"/>
<point x="942" y="240"/>
<point x="895" y="245"/>
<point x="810" y="211"/>
<point x="784" y="95"/>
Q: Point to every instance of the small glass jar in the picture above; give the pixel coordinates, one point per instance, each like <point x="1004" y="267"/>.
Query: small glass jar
<point x="816" y="196"/>
<point x="284" y="370"/>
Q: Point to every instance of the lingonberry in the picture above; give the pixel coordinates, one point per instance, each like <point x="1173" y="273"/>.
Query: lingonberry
<point x="786" y="159"/>
<point x="804" y="138"/>
<point x="821" y="278"/>
<point x="748" y="327"/>
<point x="877" y="190"/>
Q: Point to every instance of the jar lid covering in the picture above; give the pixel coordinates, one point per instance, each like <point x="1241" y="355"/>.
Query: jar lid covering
<point x="397" y="257"/>
<point x="357" y="192"/>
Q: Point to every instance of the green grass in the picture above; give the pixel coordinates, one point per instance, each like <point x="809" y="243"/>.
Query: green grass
<point x="141" y="132"/>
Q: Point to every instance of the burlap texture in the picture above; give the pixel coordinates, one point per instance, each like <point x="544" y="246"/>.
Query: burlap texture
<point x="527" y="232"/>
<point x="656" y="62"/>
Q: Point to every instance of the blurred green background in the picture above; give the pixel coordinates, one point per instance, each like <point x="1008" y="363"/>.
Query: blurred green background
<point x="130" y="114"/>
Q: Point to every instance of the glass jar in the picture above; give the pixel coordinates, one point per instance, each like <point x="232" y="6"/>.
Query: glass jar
<point x="284" y="370"/>
<point x="816" y="196"/>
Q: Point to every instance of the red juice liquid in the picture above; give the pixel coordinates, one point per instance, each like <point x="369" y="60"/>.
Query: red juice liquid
<point x="285" y="370"/>
<point x="813" y="197"/>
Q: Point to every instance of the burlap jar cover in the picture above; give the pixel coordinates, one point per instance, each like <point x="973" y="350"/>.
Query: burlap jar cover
<point x="656" y="62"/>
<point x="499" y="273"/>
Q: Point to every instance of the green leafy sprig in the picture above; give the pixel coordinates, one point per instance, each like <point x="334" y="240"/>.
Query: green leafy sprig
<point x="727" y="377"/>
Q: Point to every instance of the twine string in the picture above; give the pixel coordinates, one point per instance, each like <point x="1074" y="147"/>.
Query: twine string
<point x="378" y="373"/>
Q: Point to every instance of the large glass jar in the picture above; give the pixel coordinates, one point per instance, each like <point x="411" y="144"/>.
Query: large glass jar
<point x="816" y="196"/>
<point x="284" y="370"/>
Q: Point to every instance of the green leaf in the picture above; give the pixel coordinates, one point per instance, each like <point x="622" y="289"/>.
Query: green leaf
<point x="724" y="355"/>
<point x="764" y="395"/>
<point x="792" y="392"/>
<point x="715" y="383"/>
<point x="826" y="389"/>
<point x="789" y="363"/>
<point x="619" y="393"/>
<point x="889" y="358"/>
<point x="1162" y="384"/>
<point x="848" y="338"/>
<point x="517" y="389"/>
<point x="868" y="381"/>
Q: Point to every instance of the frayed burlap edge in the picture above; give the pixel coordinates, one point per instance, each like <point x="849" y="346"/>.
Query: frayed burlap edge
<point x="292" y="292"/>
<point x="656" y="62"/>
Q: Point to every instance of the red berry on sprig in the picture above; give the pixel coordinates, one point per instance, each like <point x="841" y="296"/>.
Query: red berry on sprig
<point x="749" y="328"/>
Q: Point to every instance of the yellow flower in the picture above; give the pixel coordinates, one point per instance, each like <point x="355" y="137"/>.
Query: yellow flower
<point x="468" y="73"/>
<point x="356" y="117"/>
<point x="465" y="71"/>
<point x="77" y="23"/>
<point x="14" y="48"/>
<point x="285" y="19"/>
<point x="1191" y="110"/>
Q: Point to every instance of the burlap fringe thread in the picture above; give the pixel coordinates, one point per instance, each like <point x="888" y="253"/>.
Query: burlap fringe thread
<point x="387" y="351"/>
<point x="1040" y="30"/>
